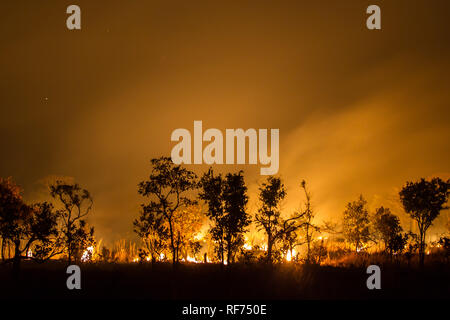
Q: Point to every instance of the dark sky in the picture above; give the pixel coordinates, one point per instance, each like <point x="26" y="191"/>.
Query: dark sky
<point x="359" y="111"/>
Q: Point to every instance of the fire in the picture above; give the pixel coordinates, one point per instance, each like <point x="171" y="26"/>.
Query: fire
<point x="29" y="253"/>
<point x="190" y="259"/>
<point x="199" y="236"/>
<point x="290" y="255"/>
<point x="247" y="246"/>
<point x="87" y="254"/>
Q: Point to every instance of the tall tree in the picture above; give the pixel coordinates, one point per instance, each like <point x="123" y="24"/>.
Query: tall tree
<point x="227" y="200"/>
<point x="268" y="218"/>
<point x="28" y="228"/>
<point x="305" y="222"/>
<point x="356" y="223"/>
<point x="76" y="204"/>
<point x="166" y="187"/>
<point x="271" y="193"/>
<point x="423" y="201"/>
<point x="236" y="218"/>
<point x="212" y="187"/>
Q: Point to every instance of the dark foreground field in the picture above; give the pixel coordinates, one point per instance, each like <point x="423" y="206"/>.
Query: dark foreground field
<point x="211" y="282"/>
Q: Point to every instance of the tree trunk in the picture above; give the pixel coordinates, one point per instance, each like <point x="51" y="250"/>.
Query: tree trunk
<point x="16" y="261"/>
<point x="308" y="244"/>
<point x="172" y="244"/>
<point x="68" y="233"/>
<point x="222" y="248"/>
<point x="69" y="245"/>
<point x="177" y="248"/>
<point x="269" y="249"/>
<point x="222" y="252"/>
<point x="3" y="249"/>
<point x="69" y="253"/>
<point x="421" y="246"/>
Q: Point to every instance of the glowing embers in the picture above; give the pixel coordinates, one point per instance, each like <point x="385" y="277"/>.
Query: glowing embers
<point x="87" y="254"/>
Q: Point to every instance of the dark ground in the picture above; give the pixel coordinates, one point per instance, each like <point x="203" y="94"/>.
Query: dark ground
<point x="211" y="282"/>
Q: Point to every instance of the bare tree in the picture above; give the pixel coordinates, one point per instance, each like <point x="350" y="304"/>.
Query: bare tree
<point x="305" y="222"/>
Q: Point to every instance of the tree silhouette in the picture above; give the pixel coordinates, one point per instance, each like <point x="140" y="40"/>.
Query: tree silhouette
<point x="11" y="207"/>
<point x="397" y="243"/>
<point x="212" y="188"/>
<point x="166" y="187"/>
<point x="151" y="228"/>
<point x="305" y="221"/>
<point x="389" y="230"/>
<point x="29" y="228"/>
<point x="356" y="223"/>
<point x="236" y="218"/>
<point x="423" y="201"/>
<point x="271" y="193"/>
<point x="227" y="200"/>
<point x="269" y="219"/>
<point x="76" y="205"/>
